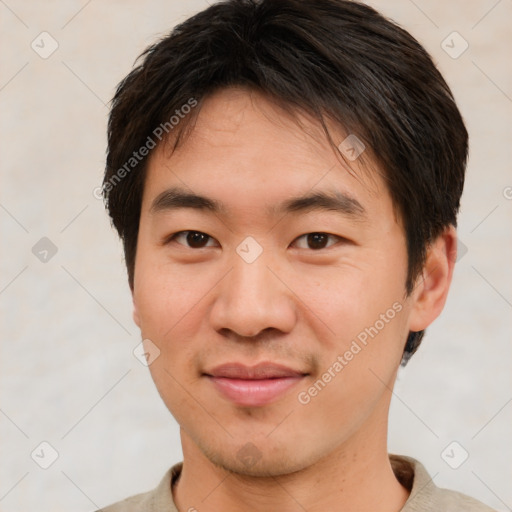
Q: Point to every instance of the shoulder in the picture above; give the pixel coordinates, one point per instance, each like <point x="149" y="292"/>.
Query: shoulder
<point x="425" y="495"/>
<point x="135" y="503"/>
<point x="157" y="500"/>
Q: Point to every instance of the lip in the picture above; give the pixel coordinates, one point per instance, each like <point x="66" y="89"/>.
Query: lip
<point x="253" y="386"/>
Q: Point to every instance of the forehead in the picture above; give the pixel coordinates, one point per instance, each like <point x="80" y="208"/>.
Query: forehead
<point x="250" y="151"/>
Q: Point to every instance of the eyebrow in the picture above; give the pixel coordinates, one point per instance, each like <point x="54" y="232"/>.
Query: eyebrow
<point x="333" y="200"/>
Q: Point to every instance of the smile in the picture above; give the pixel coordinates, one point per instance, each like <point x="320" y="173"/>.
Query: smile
<point x="253" y="386"/>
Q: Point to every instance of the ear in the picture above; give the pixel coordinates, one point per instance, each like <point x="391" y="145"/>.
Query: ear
<point x="135" y="315"/>
<point x="431" y="289"/>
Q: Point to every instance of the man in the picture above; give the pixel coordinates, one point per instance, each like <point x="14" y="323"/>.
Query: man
<point x="285" y="177"/>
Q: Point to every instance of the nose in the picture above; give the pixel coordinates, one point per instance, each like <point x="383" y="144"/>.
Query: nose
<point x="252" y="298"/>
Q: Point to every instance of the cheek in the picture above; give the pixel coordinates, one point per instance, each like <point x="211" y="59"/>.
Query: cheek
<point x="357" y="370"/>
<point x="365" y="311"/>
<point x="348" y="300"/>
<point x="164" y="293"/>
<point x="171" y="305"/>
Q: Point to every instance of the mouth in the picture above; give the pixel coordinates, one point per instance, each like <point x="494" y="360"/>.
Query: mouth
<point x="253" y="386"/>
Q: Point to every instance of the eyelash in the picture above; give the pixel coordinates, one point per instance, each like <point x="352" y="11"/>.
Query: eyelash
<point x="177" y="234"/>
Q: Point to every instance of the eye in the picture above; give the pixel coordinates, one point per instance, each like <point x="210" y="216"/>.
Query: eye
<point x="316" y="241"/>
<point x="192" y="239"/>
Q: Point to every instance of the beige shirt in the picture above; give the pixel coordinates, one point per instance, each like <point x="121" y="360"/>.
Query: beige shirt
<point x="425" y="495"/>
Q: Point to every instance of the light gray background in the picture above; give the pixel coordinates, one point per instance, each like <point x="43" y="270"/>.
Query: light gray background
<point x="68" y="373"/>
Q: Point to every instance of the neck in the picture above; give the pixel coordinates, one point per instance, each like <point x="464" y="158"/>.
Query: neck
<point x="356" y="476"/>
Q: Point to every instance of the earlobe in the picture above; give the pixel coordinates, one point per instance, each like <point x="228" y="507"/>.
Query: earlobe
<point x="432" y="286"/>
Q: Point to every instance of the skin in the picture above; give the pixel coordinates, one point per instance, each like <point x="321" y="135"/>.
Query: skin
<point x="294" y="305"/>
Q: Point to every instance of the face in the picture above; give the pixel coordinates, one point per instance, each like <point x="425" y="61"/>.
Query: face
<point x="280" y="322"/>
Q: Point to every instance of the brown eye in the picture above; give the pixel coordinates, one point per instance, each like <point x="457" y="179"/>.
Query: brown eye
<point x="196" y="239"/>
<point x="316" y="241"/>
<point x="192" y="239"/>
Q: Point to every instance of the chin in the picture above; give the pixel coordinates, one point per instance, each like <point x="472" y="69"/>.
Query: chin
<point x="249" y="460"/>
